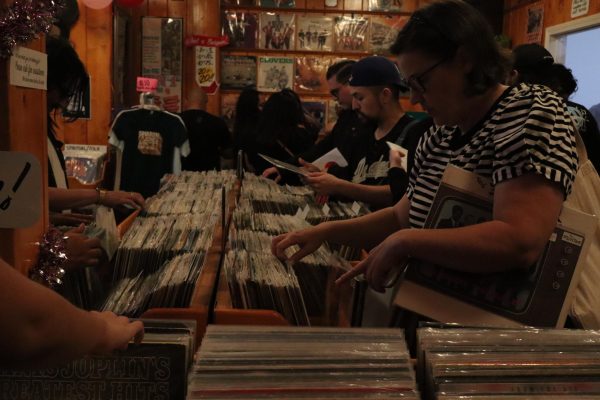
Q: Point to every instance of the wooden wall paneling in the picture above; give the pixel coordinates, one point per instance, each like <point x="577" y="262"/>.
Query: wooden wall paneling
<point x="318" y="5"/>
<point x="177" y="9"/>
<point x="99" y="62"/>
<point x="23" y="131"/>
<point x="352" y="5"/>
<point x="555" y="12"/>
<point x="134" y="53"/>
<point x="157" y="8"/>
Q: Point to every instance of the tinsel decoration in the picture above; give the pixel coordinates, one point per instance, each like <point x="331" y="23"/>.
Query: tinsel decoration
<point x="49" y="270"/>
<point x="24" y="20"/>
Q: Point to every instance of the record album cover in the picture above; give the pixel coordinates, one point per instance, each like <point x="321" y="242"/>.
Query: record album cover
<point x="311" y="74"/>
<point x="238" y="72"/>
<point x="538" y="296"/>
<point x="314" y="33"/>
<point x="275" y="73"/>
<point x="241" y="28"/>
<point x="278" y="3"/>
<point x="277" y="31"/>
<point x="317" y="109"/>
<point x="384" y="29"/>
<point x="351" y="33"/>
<point x="392" y="5"/>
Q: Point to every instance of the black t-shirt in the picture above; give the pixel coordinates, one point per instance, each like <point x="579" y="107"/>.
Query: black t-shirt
<point x="347" y="131"/>
<point x="588" y="129"/>
<point x="208" y="136"/>
<point x="398" y="178"/>
<point x="148" y="139"/>
<point x="369" y="160"/>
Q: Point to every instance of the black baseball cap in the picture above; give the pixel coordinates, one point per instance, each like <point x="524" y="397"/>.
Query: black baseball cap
<point x="531" y="57"/>
<point x="375" y="71"/>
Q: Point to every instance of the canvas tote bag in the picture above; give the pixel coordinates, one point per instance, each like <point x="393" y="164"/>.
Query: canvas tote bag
<point x="585" y="196"/>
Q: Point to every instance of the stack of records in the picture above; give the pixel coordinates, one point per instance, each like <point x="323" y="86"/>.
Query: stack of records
<point x="300" y="292"/>
<point x="155" y="369"/>
<point x="162" y="254"/>
<point x="243" y="362"/>
<point x="504" y="363"/>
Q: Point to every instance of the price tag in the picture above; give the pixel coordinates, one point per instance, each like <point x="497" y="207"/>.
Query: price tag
<point x="146" y="84"/>
<point x="326" y="209"/>
<point x="298" y="213"/>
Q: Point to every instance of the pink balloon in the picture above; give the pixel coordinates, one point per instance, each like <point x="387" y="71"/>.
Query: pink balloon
<point x="130" y="3"/>
<point x="97" y="4"/>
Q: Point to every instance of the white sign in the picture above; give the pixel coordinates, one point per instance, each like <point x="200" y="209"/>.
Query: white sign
<point x="579" y="7"/>
<point x="20" y="189"/>
<point x="28" y="68"/>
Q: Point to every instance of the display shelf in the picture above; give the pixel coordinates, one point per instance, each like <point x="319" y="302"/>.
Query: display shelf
<point x="336" y="11"/>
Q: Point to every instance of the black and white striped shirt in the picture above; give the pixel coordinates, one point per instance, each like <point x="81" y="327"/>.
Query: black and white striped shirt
<point x="528" y="130"/>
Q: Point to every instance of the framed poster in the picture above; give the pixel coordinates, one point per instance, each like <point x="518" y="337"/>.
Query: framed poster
<point x="162" y="41"/>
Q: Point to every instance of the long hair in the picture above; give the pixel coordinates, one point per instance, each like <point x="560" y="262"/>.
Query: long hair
<point x="66" y="73"/>
<point x="279" y="117"/>
<point x="247" y="113"/>
<point x="443" y="27"/>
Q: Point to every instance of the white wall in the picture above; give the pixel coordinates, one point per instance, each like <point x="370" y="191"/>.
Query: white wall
<point x="582" y="55"/>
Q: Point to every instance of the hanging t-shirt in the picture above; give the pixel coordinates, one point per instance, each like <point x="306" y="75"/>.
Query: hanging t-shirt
<point x="152" y="143"/>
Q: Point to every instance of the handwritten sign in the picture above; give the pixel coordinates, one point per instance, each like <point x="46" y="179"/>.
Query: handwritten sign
<point x="206" y="68"/>
<point x="28" y="68"/>
<point x="579" y="8"/>
<point x="20" y="189"/>
<point x="146" y="84"/>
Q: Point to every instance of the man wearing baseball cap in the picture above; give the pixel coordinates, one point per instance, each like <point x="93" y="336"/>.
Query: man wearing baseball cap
<point x="375" y="86"/>
<point x="530" y="60"/>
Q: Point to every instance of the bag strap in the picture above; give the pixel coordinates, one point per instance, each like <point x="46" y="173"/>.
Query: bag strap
<point x="404" y="132"/>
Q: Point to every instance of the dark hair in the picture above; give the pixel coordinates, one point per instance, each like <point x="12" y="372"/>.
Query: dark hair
<point x="66" y="73"/>
<point x="443" y="27"/>
<point x="279" y="117"/>
<point x="246" y="115"/>
<point x="563" y="82"/>
<point x="341" y="70"/>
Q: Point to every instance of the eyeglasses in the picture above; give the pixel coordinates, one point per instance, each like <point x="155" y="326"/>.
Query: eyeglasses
<point x="415" y="82"/>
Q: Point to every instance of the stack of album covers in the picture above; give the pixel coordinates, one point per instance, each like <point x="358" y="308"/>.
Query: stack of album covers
<point x="156" y="368"/>
<point x="503" y="363"/>
<point x="256" y="278"/>
<point x="162" y="254"/>
<point x="246" y="362"/>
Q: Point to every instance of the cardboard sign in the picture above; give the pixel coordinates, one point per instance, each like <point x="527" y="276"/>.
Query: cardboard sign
<point x="28" y="68"/>
<point x="146" y="84"/>
<point x="20" y="189"/>
<point x="579" y="8"/>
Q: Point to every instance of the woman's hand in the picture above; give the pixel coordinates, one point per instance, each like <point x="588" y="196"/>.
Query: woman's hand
<point x="81" y="251"/>
<point x="383" y="265"/>
<point x="118" y="198"/>
<point x="119" y="332"/>
<point x="396" y="159"/>
<point x="308" y="239"/>
<point x="323" y="183"/>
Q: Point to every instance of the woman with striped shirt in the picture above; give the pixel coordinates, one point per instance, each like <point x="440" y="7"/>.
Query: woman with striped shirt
<point x="519" y="137"/>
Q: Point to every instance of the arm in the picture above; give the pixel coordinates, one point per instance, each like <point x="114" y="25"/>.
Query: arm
<point x="513" y="239"/>
<point x="324" y="183"/>
<point x="363" y="232"/>
<point x="40" y="328"/>
<point x="62" y="199"/>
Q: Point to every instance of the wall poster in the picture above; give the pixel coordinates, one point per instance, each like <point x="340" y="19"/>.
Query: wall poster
<point x="162" y="58"/>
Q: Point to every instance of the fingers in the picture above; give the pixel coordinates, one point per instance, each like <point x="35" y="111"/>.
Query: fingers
<point x="79" y="229"/>
<point x="138" y="328"/>
<point x="138" y="199"/>
<point x="275" y="242"/>
<point x="283" y="244"/>
<point x="360" y="268"/>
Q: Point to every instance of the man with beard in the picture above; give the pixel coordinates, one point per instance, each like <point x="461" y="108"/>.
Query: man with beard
<point x="375" y="86"/>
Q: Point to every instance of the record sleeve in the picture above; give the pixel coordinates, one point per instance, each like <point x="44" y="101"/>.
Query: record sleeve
<point x="277" y="31"/>
<point x="275" y="73"/>
<point x="538" y="296"/>
<point x="311" y="74"/>
<point x="384" y="29"/>
<point x="241" y="28"/>
<point x="278" y="3"/>
<point x="237" y="72"/>
<point x="351" y="34"/>
<point x="392" y="5"/>
<point x="314" y="33"/>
